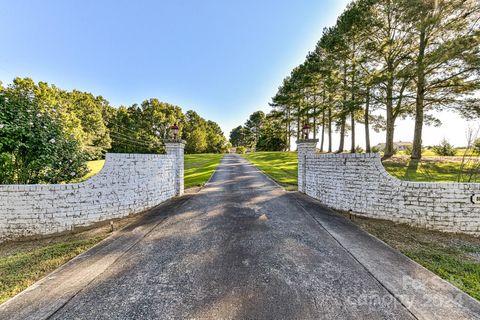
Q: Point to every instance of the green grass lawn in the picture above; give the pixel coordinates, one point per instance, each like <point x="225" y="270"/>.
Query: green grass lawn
<point x="281" y="166"/>
<point x="19" y="270"/>
<point x="454" y="257"/>
<point x="433" y="171"/>
<point x="198" y="168"/>
<point x="22" y="263"/>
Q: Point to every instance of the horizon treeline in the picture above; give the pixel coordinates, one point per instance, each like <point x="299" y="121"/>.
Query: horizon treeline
<point x="47" y="133"/>
<point x="384" y="60"/>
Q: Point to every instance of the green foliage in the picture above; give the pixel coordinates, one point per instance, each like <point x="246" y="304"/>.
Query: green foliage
<point x="237" y="136"/>
<point x="408" y="150"/>
<point x="201" y="135"/>
<point x="47" y="134"/>
<point x="262" y="133"/>
<point x="241" y="150"/>
<point x="375" y="150"/>
<point x="359" y="149"/>
<point x="444" y="149"/>
<point x="34" y="148"/>
<point x="406" y="57"/>
<point x="476" y="146"/>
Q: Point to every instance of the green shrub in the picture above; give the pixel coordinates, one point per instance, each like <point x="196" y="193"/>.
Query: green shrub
<point x="375" y="149"/>
<point x="444" y="149"/>
<point x="359" y="149"/>
<point x="34" y="148"/>
<point x="241" y="149"/>
<point x="476" y="146"/>
<point x="408" y="150"/>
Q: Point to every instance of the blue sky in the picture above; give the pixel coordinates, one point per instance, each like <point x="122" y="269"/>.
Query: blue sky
<point x="223" y="59"/>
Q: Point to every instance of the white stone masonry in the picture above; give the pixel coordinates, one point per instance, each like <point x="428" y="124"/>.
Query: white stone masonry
<point x="360" y="184"/>
<point x="127" y="184"/>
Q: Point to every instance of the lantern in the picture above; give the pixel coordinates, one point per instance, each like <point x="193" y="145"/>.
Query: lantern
<point x="305" y="131"/>
<point x="174" y="129"/>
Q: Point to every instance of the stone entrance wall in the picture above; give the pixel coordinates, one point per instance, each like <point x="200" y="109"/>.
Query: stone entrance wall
<point x="360" y="184"/>
<point x="127" y="184"/>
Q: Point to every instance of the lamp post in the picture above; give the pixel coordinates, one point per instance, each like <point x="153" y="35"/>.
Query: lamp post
<point x="306" y="131"/>
<point x="174" y="129"/>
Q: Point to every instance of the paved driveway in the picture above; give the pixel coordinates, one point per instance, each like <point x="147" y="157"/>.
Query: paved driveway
<point x="241" y="248"/>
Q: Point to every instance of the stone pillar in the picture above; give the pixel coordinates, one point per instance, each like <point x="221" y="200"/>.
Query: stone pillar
<point x="176" y="148"/>
<point x="305" y="148"/>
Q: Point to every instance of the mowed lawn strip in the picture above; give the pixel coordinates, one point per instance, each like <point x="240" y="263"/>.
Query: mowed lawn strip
<point x="200" y="167"/>
<point x="428" y="170"/>
<point x="280" y="166"/>
<point x="22" y="263"/>
<point x="453" y="257"/>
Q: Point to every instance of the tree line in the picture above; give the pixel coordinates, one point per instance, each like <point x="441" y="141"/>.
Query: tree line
<point x="47" y="134"/>
<point x="385" y="60"/>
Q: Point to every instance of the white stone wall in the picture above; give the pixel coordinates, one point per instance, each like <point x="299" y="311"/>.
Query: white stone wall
<point x="127" y="184"/>
<point x="359" y="183"/>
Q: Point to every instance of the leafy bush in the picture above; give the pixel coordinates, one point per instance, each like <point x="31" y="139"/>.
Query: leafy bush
<point x="359" y="149"/>
<point x="375" y="150"/>
<point x="408" y="150"/>
<point x="241" y="149"/>
<point x="444" y="149"/>
<point x="476" y="146"/>
<point x="33" y="145"/>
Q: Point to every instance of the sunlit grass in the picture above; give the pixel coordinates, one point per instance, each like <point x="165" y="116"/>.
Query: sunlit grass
<point x="199" y="168"/>
<point x="433" y="171"/>
<point x="20" y="270"/>
<point x="281" y="166"/>
<point x="454" y="257"/>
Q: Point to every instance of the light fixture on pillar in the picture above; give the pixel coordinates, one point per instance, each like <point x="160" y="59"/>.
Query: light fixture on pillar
<point x="305" y="131"/>
<point x="174" y="129"/>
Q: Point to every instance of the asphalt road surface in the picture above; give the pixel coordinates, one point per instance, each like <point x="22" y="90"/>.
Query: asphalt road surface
<point x="241" y="248"/>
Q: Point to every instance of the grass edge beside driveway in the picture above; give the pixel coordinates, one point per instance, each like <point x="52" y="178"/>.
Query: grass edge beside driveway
<point x="453" y="257"/>
<point x="22" y="263"/>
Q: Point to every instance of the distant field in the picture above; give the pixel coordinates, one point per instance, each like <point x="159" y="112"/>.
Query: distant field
<point x="198" y="168"/>
<point x="433" y="170"/>
<point x="460" y="152"/>
<point x="281" y="166"/>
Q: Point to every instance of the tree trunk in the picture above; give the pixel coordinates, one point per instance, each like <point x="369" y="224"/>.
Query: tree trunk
<point x="368" y="149"/>
<point x="341" y="147"/>
<point x="314" y="122"/>
<point x="352" y="115"/>
<point x="289" y="133"/>
<point x="353" y="105"/>
<point x="299" y="134"/>
<point x="323" y="131"/>
<point x="417" y="136"/>
<point x="343" y="118"/>
<point x="390" y="121"/>
<point x="329" y="129"/>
